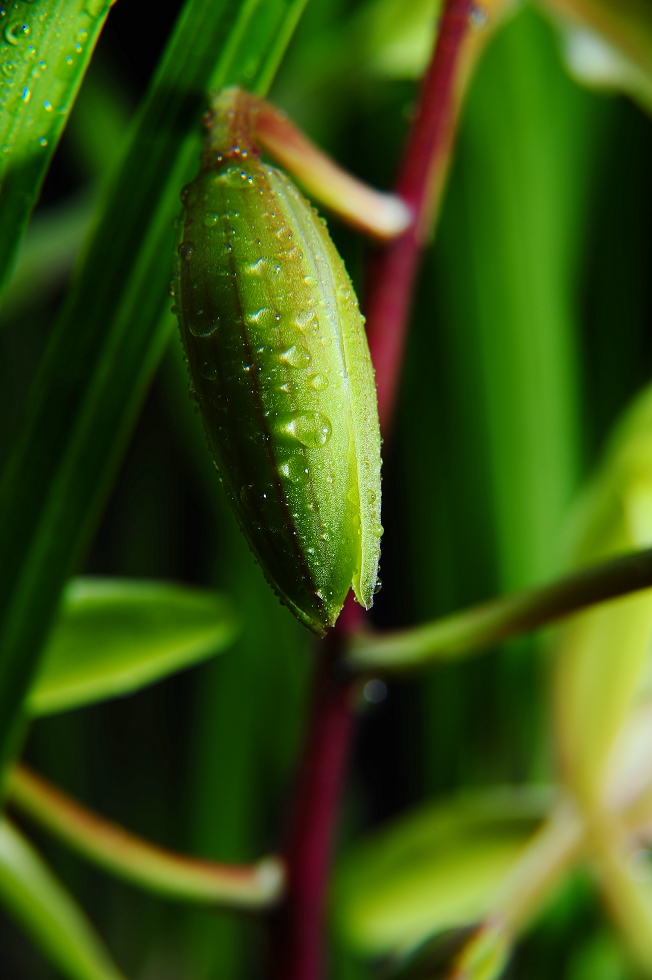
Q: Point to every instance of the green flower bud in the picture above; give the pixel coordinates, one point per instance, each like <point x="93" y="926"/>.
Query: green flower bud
<point x="280" y="369"/>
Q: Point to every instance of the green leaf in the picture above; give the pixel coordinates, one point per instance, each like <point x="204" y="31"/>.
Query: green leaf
<point x="113" y="329"/>
<point x="44" y="51"/>
<point x="40" y="904"/>
<point x="436" y="868"/>
<point x="469" y="953"/>
<point x="46" y="256"/>
<point x="593" y="62"/>
<point x="114" y="636"/>
<point x="615" y="43"/>
<point x="601" y="656"/>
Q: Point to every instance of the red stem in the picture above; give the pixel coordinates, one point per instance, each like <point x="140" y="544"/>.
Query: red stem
<point x="394" y="270"/>
<point x="299" y="936"/>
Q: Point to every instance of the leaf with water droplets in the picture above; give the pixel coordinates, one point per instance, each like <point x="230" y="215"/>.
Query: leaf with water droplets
<point x="41" y="72"/>
<point x="284" y="382"/>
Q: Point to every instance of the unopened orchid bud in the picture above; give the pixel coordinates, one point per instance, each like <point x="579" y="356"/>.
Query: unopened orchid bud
<point x="280" y="369"/>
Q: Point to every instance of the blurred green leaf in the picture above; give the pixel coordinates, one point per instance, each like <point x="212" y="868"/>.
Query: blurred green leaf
<point x="601" y="654"/>
<point x="436" y="868"/>
<point x="44" y="51"/>
<point x="41" y="905"/>
<point x="114" y="636"/>
<point x="46" y="256"/>
<point x="592" y="61"/>
<point x="599" y="958"/>
<point x="99" y="122"/>
<point x="616" y="42"/>
<point x="113" y="328"/>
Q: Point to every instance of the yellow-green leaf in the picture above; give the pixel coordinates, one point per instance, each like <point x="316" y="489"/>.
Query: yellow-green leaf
<point x="436" y="868"/>
<point x="114" y="636"/>
<point x="47" y="912"/>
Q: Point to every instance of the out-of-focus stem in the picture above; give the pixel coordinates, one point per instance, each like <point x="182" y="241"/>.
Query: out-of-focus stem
<point x="298" y="939"/>
<point x="558" y="844"/>
<point x="628" y="900"/>
<point x="299" y="932"/>
<point x="483" y="625"/>
<point x="377" y="213"/>
<point x="136" y="860"/>
<point x="419" y="181"/>
<point x="241" y="122"/>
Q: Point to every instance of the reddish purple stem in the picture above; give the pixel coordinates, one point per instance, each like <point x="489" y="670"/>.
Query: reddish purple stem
<point x="298" y="953"/>
<point x="394" y="270"/>
<point x="299" y="936"/>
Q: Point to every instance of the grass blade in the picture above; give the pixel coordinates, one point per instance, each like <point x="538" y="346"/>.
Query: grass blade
<point x="112" y="331"/>
<point x="45" y="910"/>
<point x="44" y="51"/>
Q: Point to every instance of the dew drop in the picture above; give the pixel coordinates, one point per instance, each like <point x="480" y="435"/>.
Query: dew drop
<point x="97" y="7"/>
<point x="374" y="691"/>
<point x="318" y="381"/>
<point x="297" y="356"/>
<point x="233" y="176"/>
<point x="311" y="429"/>
<point x="15" y="32"/>
<point x="208" y="370"/>
<point x="304" y="318"/>
<point x="211" y="219"/>
<point x="186" y="250"/>
<point x="185" y="191"/>
<point x="294" y="469"/>
<point x="257" y="268"/>
<point x="42" y="141"/>
<point x="479" y="16"/>
<point x="264" y="317"/>
<point x="202" y="325"/>
<point x="252" y="497"/>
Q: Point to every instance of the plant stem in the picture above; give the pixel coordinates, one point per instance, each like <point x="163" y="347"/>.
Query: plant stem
<point x="298" y="940"/>
<point x="393" y="273"/>
<point x="298" y="949"/>
<point x="138" y="861"/>
<point x="483" y="625"/>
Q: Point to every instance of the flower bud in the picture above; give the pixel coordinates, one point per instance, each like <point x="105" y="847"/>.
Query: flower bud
<point x="280" y="369"/>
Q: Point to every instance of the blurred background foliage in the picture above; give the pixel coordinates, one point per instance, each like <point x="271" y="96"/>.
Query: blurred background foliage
<point x="530" y="335"/>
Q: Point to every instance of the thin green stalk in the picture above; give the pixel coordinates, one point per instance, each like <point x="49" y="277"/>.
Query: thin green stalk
<point x="43" y="908"/>
<point x="486" y="624"/>
<point x="136" y="860"/>
<point x="112" y="332"/>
